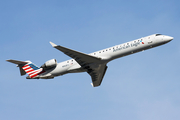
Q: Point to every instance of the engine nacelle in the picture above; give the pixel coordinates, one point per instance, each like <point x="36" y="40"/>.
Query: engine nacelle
<point x="49" y="64"/>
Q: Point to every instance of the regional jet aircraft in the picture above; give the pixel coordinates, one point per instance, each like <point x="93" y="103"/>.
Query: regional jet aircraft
<point x="95" y="64"/>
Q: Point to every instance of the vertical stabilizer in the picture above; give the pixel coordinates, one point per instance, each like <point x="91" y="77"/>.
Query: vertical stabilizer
<point x="32" y="70"/>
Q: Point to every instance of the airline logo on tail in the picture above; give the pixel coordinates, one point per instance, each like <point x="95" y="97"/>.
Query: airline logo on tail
<point x="32" y="70"/>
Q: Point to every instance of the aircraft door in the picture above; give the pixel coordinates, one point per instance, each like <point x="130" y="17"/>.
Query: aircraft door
<point x="150" y="40"/>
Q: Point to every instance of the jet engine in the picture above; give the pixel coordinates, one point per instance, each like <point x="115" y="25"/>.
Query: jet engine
<point x="49" y="64"/>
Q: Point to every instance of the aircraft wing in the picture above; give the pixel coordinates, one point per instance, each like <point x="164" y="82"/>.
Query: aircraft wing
<point x="97" y="74"/>
<point x="92" y="64"/>
<point x="82" y="58"/>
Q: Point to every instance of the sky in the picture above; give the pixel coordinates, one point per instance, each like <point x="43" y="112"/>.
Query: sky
<point x="142" y="86"/>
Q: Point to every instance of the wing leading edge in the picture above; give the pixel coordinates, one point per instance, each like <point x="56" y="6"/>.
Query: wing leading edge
<point x="92" y="64"/>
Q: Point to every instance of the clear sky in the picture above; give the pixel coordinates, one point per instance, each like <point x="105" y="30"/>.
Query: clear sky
<point x="142" y="86"/>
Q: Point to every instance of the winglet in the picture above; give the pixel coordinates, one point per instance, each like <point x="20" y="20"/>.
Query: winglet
<point x="54" y="45"/>
<point x="92" y="84"/>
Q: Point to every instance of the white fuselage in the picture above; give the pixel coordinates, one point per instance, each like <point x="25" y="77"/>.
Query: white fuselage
<point x="108" y="54"/>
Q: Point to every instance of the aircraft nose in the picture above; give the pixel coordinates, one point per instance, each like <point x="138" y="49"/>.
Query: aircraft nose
<point x="167" y="38"/>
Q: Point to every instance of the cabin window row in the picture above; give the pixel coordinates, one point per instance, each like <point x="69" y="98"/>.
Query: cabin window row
<point x="69" y="61"/>
<point x="115" y="47"/>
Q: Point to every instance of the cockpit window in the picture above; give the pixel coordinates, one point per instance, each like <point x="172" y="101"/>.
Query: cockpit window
<point x="158" y="34"/>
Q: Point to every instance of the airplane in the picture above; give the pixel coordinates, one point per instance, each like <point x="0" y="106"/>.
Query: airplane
<point x="95" y="64"/>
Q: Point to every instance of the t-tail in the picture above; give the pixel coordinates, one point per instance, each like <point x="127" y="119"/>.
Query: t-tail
<point x="28" y="67"/>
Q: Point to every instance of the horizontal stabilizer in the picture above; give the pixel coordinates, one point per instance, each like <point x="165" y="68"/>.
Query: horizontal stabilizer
<point x="17" y="62"/>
